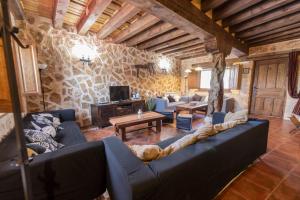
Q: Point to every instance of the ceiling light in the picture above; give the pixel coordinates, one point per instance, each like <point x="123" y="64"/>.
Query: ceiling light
<point x="198" y="68"/>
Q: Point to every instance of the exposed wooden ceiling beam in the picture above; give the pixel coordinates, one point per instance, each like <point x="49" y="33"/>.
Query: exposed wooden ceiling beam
<point x="179" y="46"/>
<point x="211" y="4"/>
<point x="161" y="39"/>
<point x="187" y="17"/>
<point x="155" y="30"/>
<point x="291" y="19"/>
<point x="232" y="8"/>
<point x="172" y="42"/>
<point x="189" y="50"/>
<point x="278" y="39"/>
<point x="125" y="13"/>
<point x="141" y="24"/>
<point x="186" y="54"/>
<point x="184" y="57"/>
<point x="279" y="13"/>
<point x="91" y="14"/>
<point x="273" y="36"/>
<point x="60" y="9"/>
<point x="278" y="30"/>
<point x="254" y="11"/>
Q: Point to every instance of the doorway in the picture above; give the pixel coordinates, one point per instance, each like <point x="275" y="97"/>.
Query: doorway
<point x="269" y="87"/>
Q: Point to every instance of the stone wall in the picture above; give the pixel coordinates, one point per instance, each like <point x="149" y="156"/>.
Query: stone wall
<point x="6" y="124"/>
<point x="68" y="83"/>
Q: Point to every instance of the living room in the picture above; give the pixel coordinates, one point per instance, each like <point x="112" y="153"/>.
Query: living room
<point x="141" y="93"/>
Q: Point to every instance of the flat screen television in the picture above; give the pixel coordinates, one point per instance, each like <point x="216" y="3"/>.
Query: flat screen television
<point x="119" y="93"/>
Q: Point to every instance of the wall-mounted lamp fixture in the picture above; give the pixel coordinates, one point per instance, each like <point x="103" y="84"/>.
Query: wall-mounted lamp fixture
<point x="164" y="65"/>
<point x="188" y="71"/>
<point x="84" y="53"/>
<point x="198" y="68"/>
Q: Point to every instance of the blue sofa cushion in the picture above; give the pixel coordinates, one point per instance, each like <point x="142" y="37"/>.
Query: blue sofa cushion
<point x="71" y="134"/>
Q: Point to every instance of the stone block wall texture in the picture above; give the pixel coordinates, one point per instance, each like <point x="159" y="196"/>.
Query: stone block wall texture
<point x="6" y="124"/>
<point x="68" y="83"/>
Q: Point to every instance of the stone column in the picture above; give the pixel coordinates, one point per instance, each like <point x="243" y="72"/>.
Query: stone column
<point x="216" y="92"/>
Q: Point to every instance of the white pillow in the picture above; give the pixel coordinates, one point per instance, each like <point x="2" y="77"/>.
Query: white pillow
<point x="239" y="116"/>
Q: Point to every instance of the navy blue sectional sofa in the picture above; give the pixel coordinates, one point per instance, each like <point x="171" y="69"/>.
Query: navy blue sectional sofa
<point x="199" y="171"/>
<point x="77" y="171"/>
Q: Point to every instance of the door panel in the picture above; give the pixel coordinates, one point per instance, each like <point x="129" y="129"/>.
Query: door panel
<point x="269" y="88"/>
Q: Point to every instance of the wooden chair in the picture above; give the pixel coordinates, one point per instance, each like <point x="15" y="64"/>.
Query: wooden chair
<point x="296" y="121"/>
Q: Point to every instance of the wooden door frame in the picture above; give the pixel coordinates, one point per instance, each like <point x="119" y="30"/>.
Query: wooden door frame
<point x="257" y="60"/>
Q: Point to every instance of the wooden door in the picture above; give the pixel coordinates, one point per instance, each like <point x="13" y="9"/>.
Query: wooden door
<point x="5" y="101"/>
<point x="269" y="88"/>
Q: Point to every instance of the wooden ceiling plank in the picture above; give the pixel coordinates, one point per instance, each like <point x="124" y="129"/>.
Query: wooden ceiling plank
<point x="156" y="30"/>
<point x="91" y="14"/>
<point x="186" y="16"/>
<point x="60" y="9"/>
<point x="273" y="36"/>
<point x="232" y="8"/>
<point x="187" y="50"/>
<point x="141" y="24"/>
<point x="291" y="19"/>
<point x="17" y="10"/>
<point x="179" y="46"/>
<point x="281" y="12"/>
<point x="278" y="39"/>
<point x="126" y="12"/>
<point x="211" y="4"/>
<point x="278" y="30"/>
<point x="254" y="11"/>
<point x="161" y="39"/>
<point x="191" y="56"/>
<point x="172" y="42"/>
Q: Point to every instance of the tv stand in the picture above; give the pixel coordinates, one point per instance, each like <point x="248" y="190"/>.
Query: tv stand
<point x="102" y="112"/>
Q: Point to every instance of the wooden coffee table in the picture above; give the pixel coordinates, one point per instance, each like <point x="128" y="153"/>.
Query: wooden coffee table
<point x="192" y="108"/>
<point x="122" y="122"/>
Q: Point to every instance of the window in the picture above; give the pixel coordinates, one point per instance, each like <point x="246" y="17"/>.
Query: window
<point x="206" y="76"/>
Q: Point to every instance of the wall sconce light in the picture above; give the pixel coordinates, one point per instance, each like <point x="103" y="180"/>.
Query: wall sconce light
<point x="198" y="68"/>
<point x="188" y="71"/>
<point x="85" y="53"/>
<point x="164" y="65"/>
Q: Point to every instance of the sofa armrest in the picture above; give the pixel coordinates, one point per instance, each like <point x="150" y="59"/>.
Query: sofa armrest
<point x="218" y="117"/>
<point x="128" y="177"/>
<point x="66" y="114"/>
<point x="161" y="105"/>
<point x="73" y="172"/>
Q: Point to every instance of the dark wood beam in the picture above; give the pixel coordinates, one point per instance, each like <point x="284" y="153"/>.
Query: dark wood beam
<point x="92" y="12"/>
<point x="60" y="9"/>
<point x="232" y="8"/>
<point x="194" y="49"/>
<point x="276" y="14"/>
<point x="16" y="9"/>
<point x="161" y="39"/>
<point x="155" y="30"/>
<point x="187" y="17"/>
<point x="190" y="53"/>
<point x="172" y="42"/>
<point x="278" y="30"/>
<point x="126" y="12"/>
<point x="141" y="24"/>
<point x="278" y="39"/>
<point x="184" y="57"/>
<point x="180" y="46"/>
<point x="291" y="19"/>
<point x="211" y="4"/>
<point x="274" y="36"/>
<point x="254" y="11"/>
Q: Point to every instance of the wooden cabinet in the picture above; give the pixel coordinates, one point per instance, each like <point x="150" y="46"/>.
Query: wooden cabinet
<point x="29" y="70"/>
<point x="5" y="101"/>
<point x="102" y="112"/>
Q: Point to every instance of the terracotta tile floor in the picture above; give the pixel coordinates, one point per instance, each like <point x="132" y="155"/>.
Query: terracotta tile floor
<point x="275" y="176"/>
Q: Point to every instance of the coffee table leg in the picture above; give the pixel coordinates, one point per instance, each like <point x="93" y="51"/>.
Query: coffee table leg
<point x="123" y="132"/>
<point x="158" y="126"/>
<point x="149" y="125"/>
